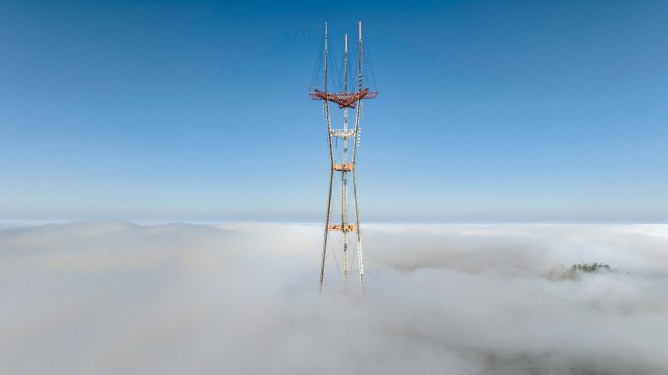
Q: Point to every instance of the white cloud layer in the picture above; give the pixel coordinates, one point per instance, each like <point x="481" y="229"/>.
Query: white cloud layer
<point x="242" y="298"/>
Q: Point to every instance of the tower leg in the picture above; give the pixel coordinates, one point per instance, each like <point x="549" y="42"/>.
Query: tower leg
<point x="359" y="233"/>
<point x="324" y="242"/>
<point x="344" y="220"/>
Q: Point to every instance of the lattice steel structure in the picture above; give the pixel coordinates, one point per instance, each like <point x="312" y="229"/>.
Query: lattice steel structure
<point x="346" y="165"/>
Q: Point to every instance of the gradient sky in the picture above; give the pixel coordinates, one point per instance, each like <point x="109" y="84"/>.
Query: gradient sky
<point x="488" y="110"/>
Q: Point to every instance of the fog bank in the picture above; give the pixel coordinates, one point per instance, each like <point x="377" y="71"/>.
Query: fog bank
<point x="242" y="298"/>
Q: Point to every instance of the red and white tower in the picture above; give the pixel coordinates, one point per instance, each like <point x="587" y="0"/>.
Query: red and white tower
<point x="341" y="162"/>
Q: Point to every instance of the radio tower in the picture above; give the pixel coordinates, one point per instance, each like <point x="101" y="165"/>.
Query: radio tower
<point x="346" y="165"/>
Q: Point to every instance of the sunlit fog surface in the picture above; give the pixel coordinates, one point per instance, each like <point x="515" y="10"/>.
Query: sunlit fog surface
<point x="242" y="298"/>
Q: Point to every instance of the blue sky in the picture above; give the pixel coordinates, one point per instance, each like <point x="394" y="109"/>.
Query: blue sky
<point x="488" y="111"/>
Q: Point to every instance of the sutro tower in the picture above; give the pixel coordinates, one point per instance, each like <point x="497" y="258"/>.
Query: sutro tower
<point x="344" y="163"/>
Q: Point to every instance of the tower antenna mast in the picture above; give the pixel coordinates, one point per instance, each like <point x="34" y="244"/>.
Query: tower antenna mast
<point x="345" y="99"/>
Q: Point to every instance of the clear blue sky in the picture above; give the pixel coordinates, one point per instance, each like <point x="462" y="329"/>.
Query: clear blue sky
<point x="488" y="110"/>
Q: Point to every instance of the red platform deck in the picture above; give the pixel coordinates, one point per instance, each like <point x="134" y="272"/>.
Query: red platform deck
<point x="343" y="99"/>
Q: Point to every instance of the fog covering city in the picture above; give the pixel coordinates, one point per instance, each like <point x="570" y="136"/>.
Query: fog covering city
<point x="242" y="298"/>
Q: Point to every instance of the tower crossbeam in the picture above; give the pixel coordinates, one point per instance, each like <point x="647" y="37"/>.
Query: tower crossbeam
<point x="344" y="99"/>
<point x="342" y="133"/>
